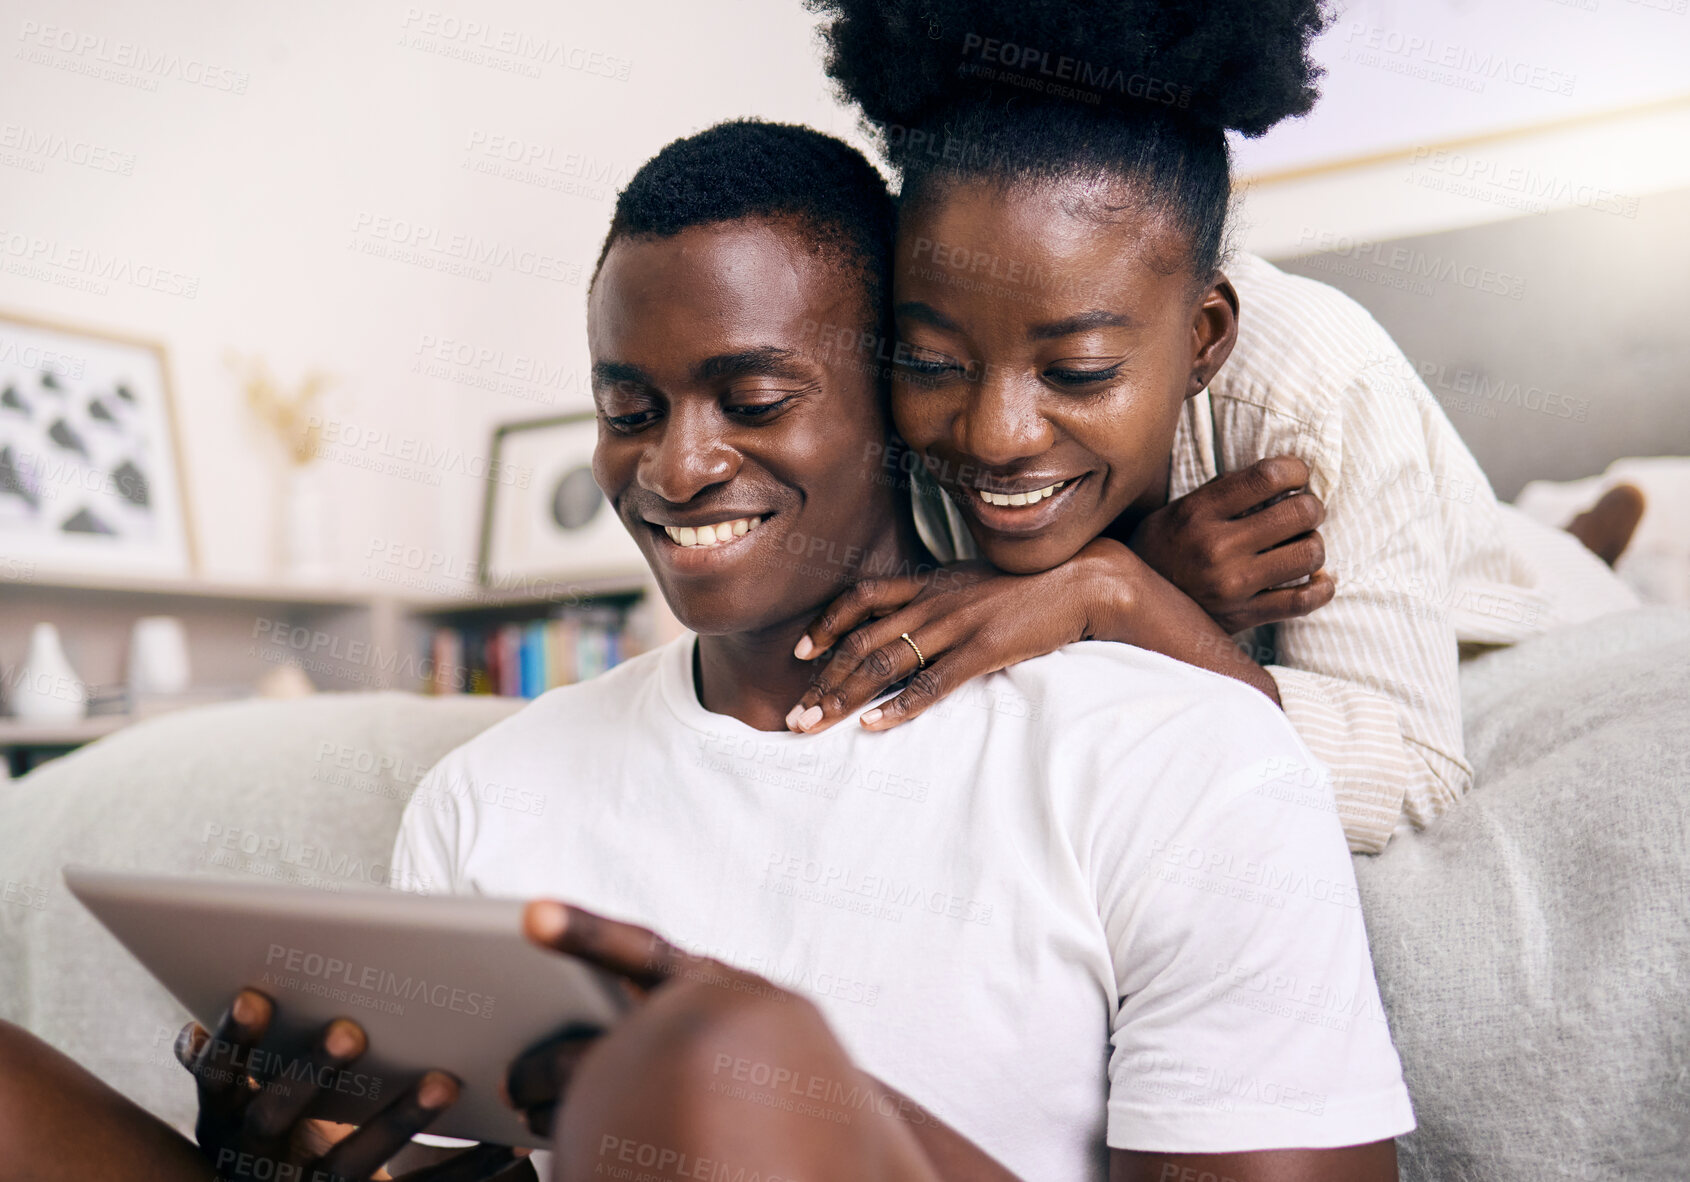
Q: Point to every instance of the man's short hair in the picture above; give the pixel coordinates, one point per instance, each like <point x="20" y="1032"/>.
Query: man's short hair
<point x="750" y="168"/>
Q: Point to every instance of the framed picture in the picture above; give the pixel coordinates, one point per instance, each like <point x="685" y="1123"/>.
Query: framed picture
<point x="544" y="516"/>
<point x="89" y="455"/>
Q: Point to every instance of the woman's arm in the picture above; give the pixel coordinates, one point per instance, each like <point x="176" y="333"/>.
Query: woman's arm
<point x="1214" y="562"/>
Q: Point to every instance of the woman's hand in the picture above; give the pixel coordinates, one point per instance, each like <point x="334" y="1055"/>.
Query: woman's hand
<point x="1232" y="544"/>
<point x="253" y="1105"/>
<point x="967" y="620"/>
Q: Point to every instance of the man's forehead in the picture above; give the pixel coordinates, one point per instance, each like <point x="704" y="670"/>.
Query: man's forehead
<point x="720" y="289"/>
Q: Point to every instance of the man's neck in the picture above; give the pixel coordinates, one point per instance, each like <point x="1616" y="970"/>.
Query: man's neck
<point x="753" y="676"/>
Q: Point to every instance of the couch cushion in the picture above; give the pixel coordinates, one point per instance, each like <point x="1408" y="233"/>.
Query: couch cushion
<point x="306" y="791"/>
<point x="1532" y="948"/>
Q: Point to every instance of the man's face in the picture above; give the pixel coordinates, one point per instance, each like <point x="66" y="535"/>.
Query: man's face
<point x="736" y="446"/>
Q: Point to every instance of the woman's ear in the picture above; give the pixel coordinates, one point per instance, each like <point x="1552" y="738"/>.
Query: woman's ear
<point x="1214" y="330"/>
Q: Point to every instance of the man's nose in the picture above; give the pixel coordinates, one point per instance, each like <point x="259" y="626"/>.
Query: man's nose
<point x="688" y="456"/>
<point x="1003" y="422"/>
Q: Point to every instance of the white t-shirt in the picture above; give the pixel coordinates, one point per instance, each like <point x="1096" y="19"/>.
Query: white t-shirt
<point x="1102" y="896"/>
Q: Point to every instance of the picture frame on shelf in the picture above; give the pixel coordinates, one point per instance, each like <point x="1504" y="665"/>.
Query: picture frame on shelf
<point x="90" y="455"/>
<point x="544" y="517"/>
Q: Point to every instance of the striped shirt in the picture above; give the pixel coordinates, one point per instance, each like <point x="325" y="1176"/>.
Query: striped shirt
<point x="1424" y="558"/>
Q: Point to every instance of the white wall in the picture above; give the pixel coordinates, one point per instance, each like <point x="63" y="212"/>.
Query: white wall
<point x="352" y="126"/>
<point x="325" y="128"/>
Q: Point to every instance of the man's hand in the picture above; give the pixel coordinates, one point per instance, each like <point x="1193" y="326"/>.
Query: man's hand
<point x="1234" y="543"/>
<point x="682" y="999"/>
<point x="539" y="1078"/>
<point x="253" y="1120"/>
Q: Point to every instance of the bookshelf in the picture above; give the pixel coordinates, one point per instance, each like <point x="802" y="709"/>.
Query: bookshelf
<point x="344" y="639"/>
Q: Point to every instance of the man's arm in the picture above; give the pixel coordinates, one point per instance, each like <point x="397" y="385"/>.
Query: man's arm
<point x="1249" y="1031"/>
<point x="1355" y="1163"/>
<point x="953" y="1156"/>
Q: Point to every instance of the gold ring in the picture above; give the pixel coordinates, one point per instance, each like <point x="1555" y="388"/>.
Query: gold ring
<point x="920" y="661"/>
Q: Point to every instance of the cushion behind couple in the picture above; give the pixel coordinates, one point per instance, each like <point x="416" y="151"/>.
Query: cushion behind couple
<point x="1532" y="948"/>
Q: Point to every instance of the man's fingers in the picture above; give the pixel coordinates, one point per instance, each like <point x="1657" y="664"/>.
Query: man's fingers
<point x="224" y="1060"/>
<point x="190" y="1041"/>
<point x="484" y="1163"/>
<point x="637" y="953"/>
<point x="865" y="600"/>
<point x="869" y="661"/>
<point x="389" y="1130"/>
<point x="285" y="1099"/>
<point x="539" y="1078"/>
<point x="1238" y="492"/>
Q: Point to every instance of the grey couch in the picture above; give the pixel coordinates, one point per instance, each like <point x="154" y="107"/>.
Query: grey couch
<point x="1532" y="948"/>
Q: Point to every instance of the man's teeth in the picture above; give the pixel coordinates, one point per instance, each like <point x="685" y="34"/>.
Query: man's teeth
<point x="1026" y="498"/>
<point x="711" y="535"/>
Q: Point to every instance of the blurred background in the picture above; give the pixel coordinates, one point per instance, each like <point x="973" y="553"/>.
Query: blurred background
<point x="291" y="306"/>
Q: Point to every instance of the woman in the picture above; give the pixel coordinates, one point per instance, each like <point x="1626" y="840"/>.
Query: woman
<point x="1064" y="331"/>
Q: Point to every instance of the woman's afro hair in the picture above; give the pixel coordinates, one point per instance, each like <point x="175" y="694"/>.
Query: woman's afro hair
<point x="1038" y="90"/>
<point x="1240" y="65"/>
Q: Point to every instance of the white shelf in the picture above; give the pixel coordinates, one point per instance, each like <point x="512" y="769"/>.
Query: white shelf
<point x="129" y="585"/>
<point x="539" y="593"/>
<point x="24" y="732"/>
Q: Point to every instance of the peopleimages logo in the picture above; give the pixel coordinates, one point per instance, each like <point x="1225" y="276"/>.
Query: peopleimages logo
<point x="331" y="970"/>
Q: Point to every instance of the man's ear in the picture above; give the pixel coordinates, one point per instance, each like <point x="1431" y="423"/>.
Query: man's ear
<point x="1214" y="330"/>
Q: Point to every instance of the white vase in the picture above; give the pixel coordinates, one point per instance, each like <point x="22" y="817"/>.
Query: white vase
<point x="305" y="552"/>
<point x="158" y="656"/>
<point x="49" y="689"/>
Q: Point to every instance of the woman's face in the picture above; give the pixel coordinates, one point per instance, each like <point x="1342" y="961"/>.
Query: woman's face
<point x="1045" y="348"/>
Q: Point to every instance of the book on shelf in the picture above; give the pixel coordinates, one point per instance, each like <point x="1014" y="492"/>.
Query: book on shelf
<point x="525" y="659"/>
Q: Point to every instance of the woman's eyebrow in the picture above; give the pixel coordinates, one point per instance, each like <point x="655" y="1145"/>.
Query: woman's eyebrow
<point x="1084" y="322"/>
<point x="763" y="361"/>
<point x="926" y="314"/>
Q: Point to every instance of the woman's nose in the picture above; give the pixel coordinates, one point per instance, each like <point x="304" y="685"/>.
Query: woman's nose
<point x="687" y="456"/>
<point x="1003" y="423"/>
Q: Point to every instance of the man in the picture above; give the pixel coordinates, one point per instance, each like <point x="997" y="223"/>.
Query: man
<point x="1076" y="915"/>
<point x="1075" y="921"/>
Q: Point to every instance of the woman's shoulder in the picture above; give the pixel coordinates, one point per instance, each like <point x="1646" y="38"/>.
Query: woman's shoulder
<point x="1303" y="345"/>
<point x="1314" y="375"/>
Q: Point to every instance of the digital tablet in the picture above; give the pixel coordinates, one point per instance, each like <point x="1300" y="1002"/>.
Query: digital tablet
<point x="446" y="982"/>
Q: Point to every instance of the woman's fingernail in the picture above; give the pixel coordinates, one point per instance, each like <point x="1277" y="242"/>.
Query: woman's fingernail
<point x="870" y="717"/>
<point x="793" y="715"/>
<point x="806" y="648"/>
<point x="809" y="718"/>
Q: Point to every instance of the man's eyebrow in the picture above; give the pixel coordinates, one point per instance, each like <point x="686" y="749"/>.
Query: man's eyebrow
<point x="765" y="360"/>
<point x="1096" y="318"/>
<point x="610" y="373"/>
<point x="926" y="314"/>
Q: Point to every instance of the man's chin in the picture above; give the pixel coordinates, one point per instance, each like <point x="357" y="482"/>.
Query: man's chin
<point x="717" y="611"/>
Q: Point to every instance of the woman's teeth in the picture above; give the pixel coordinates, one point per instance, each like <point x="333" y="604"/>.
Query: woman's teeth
<point x="711" y="535"/>
<point x="1026" y="498"/>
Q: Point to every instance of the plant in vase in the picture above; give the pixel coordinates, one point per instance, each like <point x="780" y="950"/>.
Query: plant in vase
<point x="302" y="551"/>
